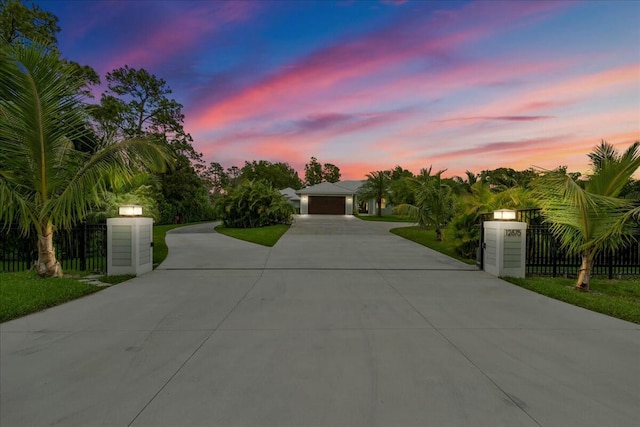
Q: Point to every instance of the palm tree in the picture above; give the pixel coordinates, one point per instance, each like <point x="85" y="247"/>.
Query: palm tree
<point x="376" y="187"/>
<point x="589" y="220"/>
<point x="46" y="182"/>
<point x="601" y="154"/>
<point x="435" y="202"/>
<point x="480" y="200"/>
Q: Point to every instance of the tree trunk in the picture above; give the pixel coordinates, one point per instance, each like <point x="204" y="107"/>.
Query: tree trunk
<point x="379" y="203"/>
<point x="439" y="236"/>
<point x="47" y="264"/>
<point x="584" y="277"/>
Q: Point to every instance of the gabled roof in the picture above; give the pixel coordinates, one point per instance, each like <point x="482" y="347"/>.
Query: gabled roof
<point x="353" y="184"/>
<point x="327" y="189"/>
<point x="290" y="194"/>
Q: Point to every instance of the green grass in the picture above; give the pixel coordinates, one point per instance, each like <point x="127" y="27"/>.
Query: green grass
<point x="24" y="293"/>
<point x="114" y="280"/>
<point x="266" y="236"/>
<point x="616" y="298"/>
<point x="428" y="238"/>
<point x="385" y="218"/>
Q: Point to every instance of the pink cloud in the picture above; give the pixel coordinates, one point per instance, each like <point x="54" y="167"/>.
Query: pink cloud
<point x="498" y="118"/>
<point x="563" y="91"/>
<point x="168" y="36"/>
<point x="297" y="85"/>
<point x="287" y="112"/>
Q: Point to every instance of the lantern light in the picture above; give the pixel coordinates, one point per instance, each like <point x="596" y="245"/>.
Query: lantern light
<point x="504" y="214"/>
<point x="130" y="210"/>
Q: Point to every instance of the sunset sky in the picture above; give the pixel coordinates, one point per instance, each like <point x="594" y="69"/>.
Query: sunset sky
<point x="368" y="85"/>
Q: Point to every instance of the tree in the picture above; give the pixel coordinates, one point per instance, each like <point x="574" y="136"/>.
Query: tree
<point x="400" y="189"/>
<point x="141" y="191"/>
<point x="234" y="174"/>
<point x="217" y="177"/>
<point x="399" y="172"/>
<point x="503" y="178"/>
<point x="434" y="202"/>
<point x="376" y="187"/>
<point x="20" y="24"/>
<point x="330" y="172"/>
<point x="136" y="104"/>
<point x="45" y="181"/>
<point x="277" y="175"/>
<point x="592" y="219"/>
<point x="480" y="200"/>
<point x="605" y="152"/>
<point x="184" y="195"/>
<point x="463" y="185"/>
<point x="601" y="154"/>
<point x="315" y="173"/>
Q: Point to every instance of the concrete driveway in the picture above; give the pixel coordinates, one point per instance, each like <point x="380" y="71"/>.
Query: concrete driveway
<point x="340" y="324"/>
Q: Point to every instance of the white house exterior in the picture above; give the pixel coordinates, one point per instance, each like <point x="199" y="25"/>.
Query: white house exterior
<point x="339" y="198"/>
<point x="327" y="198"/>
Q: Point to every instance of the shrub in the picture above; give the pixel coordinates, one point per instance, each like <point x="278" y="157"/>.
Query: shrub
<point x="253" y="204"/>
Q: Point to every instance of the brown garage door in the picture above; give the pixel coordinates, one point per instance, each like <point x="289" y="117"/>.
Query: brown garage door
<point x="327" y="205"/>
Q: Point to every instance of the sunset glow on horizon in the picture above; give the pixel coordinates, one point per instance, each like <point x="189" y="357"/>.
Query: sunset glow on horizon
<point x="369" y="85"/>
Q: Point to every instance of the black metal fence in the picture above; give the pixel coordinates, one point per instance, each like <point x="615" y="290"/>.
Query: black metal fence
<point x="83" y="248"/>
<point x="545" y="257"/>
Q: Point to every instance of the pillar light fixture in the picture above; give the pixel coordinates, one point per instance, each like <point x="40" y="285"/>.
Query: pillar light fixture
<point x="130" y="210"/>
<point x="504" y="214"/>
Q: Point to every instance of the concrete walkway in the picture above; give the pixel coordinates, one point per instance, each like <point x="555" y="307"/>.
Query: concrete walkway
<point x="340" y="324"/>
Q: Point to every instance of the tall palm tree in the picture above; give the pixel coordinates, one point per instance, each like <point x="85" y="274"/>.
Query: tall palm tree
<point x="589" y="220"/>
<point x="376" y="187"/>
<point x="46" y="182"/>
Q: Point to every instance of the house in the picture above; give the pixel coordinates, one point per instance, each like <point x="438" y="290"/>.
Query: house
<point x="327" y="198"/>
<point x="339" y="198"/>
<point x="292" y="197"/>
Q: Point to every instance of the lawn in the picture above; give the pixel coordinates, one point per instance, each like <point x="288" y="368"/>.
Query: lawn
<point x="24" y="292"/>
<point x="266" y="236"/>
<point x="385" y="218"/>
<point x="617" y="298"/>
<point x="428" y="238"/>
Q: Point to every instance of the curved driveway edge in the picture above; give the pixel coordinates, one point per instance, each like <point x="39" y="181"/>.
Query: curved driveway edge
<point x="340" y="324"/>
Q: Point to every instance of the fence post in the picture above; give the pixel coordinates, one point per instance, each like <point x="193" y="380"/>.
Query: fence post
<point x="83" y="247"/>
<point x="554" y="252"/>
<point x="480" y="255"/>
<point x="610" y="262"/>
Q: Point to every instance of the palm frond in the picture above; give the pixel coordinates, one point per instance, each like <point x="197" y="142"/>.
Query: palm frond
<point x="44" y="177"/>
<point x="579" y="219"/>
<point x="614" y="173"/>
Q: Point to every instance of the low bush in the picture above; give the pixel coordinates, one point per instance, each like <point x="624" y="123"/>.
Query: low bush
<point x="253" y="204"/>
